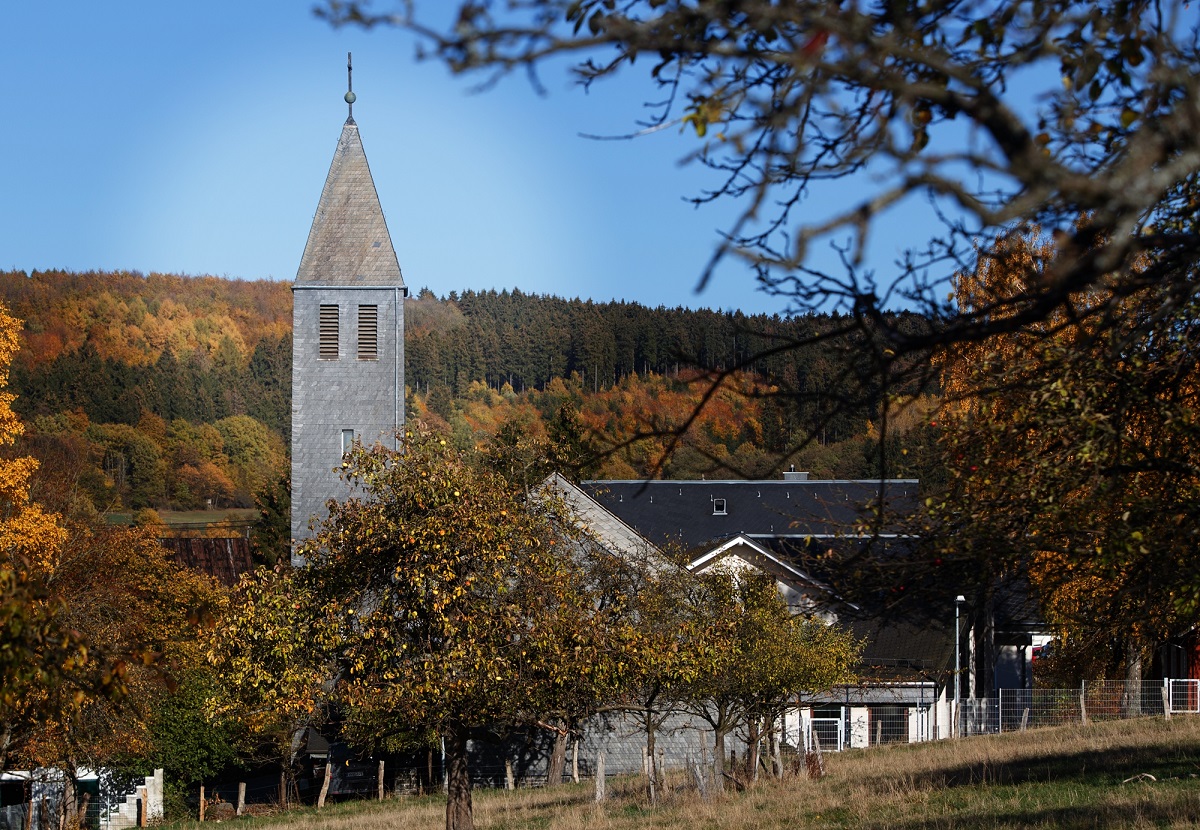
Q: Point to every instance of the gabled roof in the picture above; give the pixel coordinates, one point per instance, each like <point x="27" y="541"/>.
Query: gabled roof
<point x="349" y="244"/>
<point x="760" y="557"/>
<point x="688" y="514"/>
<point x="612" y="533"/>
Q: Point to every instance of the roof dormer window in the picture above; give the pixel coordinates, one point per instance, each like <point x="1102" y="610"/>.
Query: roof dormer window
<point x="719" y="507"/>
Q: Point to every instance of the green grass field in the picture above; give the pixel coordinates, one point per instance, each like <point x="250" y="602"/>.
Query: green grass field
<point x="192" y="517"/>
<point x="1068" y="777"/>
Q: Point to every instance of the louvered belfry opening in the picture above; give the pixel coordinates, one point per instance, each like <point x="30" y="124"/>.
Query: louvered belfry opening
<point x="329" y="333"/>
<point x="368" y="332"/>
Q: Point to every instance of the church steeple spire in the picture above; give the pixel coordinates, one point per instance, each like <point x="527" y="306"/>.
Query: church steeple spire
<point x="349" y="243"/>
<point x="350" y="96"/>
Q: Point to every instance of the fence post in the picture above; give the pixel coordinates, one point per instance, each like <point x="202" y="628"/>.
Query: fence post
<point x="144" y="813"/>
<point x="1166" y="696"/>
<point x="509" y="782"/>
<point x="202" y="805"/>
<point x="698" y="776"/>
<point x="325" y="785"/>
<point x="575" y="761"/>
<point x="241" y="802"/>
<point x="600" y="776"/>
<point x="1025" y="719"/>
<point x="380" y="783"/>
<point x="1083" y="702"/>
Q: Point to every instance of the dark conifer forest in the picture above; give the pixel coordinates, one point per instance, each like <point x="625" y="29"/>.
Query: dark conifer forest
<point x="176" y="391"/>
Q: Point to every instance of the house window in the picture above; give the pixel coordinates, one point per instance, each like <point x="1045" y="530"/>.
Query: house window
<point x="719" y="507"/>
<point x="329" y="333"/>
<point x="347" y="440"/>
<point x="368" y="332"/>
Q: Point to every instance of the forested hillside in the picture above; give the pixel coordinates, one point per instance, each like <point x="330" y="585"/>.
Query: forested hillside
<point x="175" y="391"/>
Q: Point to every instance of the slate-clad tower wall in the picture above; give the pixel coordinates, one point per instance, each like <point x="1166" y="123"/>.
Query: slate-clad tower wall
<point x="347" y="334"/>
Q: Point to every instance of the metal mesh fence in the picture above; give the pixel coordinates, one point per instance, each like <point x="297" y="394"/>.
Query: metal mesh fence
<point x="1020" y="709"/>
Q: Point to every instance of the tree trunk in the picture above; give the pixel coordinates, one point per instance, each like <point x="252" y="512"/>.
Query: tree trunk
<point x="458" y="781"/>
<point x="651" y="794"/>
<point x="719" y="759"/>
<point x="776" y="754"/>
<point x="985" y="649"/>
<point x="1133" y="678"/>
<point x="752" y="742"/>
<point x="558" y="757"/>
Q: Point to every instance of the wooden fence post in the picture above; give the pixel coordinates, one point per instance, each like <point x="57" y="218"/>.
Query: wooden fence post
<point x="510" y="782"/>
<point x="144" y="813"/>
<point x="241" y="802"/>
<point x="701" y="782"/>
<point x="325" y="784"/>
<point x="202" y="803"/>
<point x="380" y="784"/>
<point x="1083" y="702"/>
<point x="1025" y="719"/>
<point x="1166" y="696"/>
<point x="575" y="761"/>
<point x="600" y="776"/>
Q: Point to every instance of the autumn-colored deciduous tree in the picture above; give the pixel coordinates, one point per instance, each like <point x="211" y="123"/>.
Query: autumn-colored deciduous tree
<point x="757" y="657"/>
<point x="1072" y="458"/>
<point x="117" y="585"/>
<point x="271" y="649"/>
<point x="459" y="602"/>
<point x="48" y="667"/>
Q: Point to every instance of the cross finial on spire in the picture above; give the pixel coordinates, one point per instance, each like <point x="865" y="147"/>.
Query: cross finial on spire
<point x="350" y="96"/>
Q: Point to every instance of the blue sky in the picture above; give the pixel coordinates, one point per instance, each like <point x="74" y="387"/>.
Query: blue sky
<point x="194" y="138"/>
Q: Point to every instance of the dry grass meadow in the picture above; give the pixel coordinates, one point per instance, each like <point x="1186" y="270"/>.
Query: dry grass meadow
<point x="1068" y="777"/>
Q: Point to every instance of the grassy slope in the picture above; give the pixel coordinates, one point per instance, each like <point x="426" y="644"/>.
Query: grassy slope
<point x="1068" y="777"/>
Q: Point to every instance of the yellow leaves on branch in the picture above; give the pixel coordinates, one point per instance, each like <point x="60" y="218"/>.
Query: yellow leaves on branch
<point x="25" y="530"/>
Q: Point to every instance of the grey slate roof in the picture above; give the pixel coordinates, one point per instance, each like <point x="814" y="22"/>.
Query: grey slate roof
<point x="684" y="512"/>
<point x="349" y="243"/>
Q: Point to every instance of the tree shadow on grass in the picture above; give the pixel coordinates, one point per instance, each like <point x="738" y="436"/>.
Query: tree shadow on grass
<point x="1181" y="809"/>
<point x="1092" y="767"/>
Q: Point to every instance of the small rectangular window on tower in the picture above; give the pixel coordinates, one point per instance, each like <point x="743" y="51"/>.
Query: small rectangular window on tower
<point x="368" y="332"/>
<point x="329" y="333"/>
<point x="347" y="440"/>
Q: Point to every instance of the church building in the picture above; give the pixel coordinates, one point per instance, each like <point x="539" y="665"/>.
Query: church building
<point x="348" y="332"/>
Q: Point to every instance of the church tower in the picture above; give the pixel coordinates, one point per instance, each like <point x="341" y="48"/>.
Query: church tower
<point x="347" y="331"/>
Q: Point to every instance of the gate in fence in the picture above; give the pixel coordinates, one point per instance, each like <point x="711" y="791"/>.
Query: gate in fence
<point x="1183" y="696"/>
<point x="831" y="732"/>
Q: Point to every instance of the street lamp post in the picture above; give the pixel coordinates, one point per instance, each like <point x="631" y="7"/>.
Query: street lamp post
<point x="958" y="601"/>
